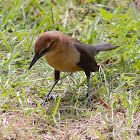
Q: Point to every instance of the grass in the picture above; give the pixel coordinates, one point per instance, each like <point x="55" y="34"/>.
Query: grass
<point x="117" y="83"/>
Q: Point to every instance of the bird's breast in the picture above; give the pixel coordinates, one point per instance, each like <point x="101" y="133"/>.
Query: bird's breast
<point x="64" y="60"/>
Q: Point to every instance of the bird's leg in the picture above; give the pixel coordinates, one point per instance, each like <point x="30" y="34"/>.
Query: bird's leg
<point x="88" y="83"/>
<point x="57" y="75"/>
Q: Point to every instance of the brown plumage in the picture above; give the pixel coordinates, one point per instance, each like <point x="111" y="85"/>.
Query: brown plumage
<point x="67" y="54"/>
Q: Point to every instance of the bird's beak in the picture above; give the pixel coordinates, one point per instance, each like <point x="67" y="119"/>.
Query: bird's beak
<point x="35" y="58"/>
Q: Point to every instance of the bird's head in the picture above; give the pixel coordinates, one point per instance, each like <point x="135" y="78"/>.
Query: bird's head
<point x="45" y="44"/>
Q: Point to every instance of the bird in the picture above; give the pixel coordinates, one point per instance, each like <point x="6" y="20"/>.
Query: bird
<point x="67" y="54"/>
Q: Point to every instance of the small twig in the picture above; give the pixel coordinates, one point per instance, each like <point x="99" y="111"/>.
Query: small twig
<point x="102" y="102"/>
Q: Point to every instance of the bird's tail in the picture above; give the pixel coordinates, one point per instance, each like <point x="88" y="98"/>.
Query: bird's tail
<point x="94" y="49"/>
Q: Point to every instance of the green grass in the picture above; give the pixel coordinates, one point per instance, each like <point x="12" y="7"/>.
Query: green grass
<point x="118" y="83"/>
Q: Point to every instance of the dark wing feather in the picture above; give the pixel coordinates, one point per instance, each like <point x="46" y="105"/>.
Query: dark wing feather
<point x="87" y="61"/>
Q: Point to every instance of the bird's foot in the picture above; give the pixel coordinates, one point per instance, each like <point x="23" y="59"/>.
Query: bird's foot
<point x="84" y="98"/>
<point x="47" y="99"/>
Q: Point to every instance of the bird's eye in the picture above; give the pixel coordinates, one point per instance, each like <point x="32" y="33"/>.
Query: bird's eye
<point x="51" y="43"/>
<point x="45" y="50"/>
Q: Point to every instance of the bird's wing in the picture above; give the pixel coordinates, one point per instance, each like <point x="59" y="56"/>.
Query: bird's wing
<point x="87" y="61"/>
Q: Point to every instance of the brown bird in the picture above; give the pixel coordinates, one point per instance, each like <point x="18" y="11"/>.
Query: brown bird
<point x="67" y="54"/>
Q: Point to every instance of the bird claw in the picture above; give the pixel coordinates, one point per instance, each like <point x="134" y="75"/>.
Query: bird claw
<point x="84" y="98"/>
<point x="43" y="103"/>
<point x="81" y="100"/>
<point x="47" y="99"/>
